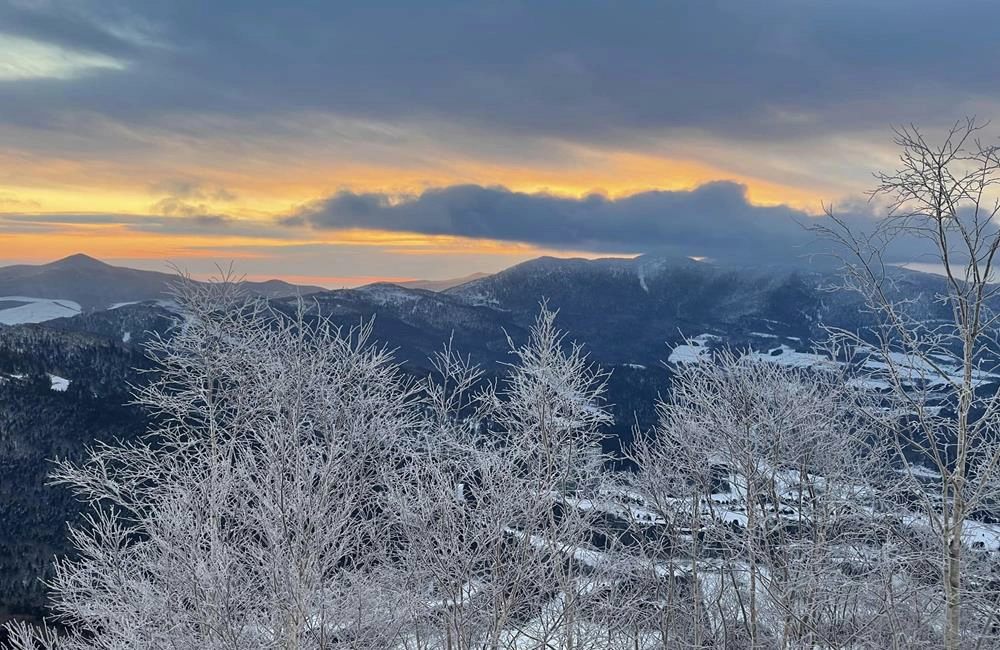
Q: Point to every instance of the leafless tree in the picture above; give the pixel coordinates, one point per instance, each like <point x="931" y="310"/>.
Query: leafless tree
<point x="549" y="415"/>
<point x="770" y="494"/>
<point x="496" y="510"/>
<point x="248" y="518"/>
<point x="945" y="420"/>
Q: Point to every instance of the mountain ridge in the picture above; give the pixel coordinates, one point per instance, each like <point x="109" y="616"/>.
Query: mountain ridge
<point x="442" y="285"/>
<point x="94" y="284"/>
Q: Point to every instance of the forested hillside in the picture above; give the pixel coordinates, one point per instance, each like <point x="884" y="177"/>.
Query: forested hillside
<point x="39" y="423"/>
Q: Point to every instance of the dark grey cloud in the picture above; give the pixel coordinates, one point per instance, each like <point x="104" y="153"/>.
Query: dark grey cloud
<point x="584" y="70"/>
<point x="714" y="220"/>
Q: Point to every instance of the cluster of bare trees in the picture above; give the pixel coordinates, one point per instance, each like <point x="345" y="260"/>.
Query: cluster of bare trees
<point x="763" y="560"/>
<point x="299" y="491"/>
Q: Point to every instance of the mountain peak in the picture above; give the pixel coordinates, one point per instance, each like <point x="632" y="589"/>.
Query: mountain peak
<point x="79" y="261"/>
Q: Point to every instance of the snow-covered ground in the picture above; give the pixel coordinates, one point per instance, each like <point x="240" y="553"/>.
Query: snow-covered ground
<point x="787" y="356"/>
<point x="56" y="383"/>
<point x="695" y="349"/>
<point x="870" y="371"/>
<point x="35" y="310"/>
<point x="913" y="369"/>
<point x="59" y="384"/>
<point x="169" y="305"/>
<point x="390" y="295"/>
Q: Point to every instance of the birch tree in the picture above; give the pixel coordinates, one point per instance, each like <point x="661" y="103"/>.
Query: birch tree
<point x="944" y="417"/>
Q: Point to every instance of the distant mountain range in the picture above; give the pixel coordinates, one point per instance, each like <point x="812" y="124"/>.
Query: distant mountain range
<point x="70" y="346"/>
<point x="626" y="310"/>
<point x="92" y="284"/>
<point x="79" y="283"/>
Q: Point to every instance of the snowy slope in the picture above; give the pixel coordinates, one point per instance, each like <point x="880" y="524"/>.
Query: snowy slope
<point x="16" y="310"/>
<point x="59" y="384"/>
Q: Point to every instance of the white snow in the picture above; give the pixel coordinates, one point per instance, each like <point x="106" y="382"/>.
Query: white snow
<point x="694" y="350"/>
<point x="869" y="383"/>
<point x="36" y="310"/>
<point x="642" y="280"/>
<point x="912" y="368"/>
<point x="169" y="305"/>
<point x="978" y="534"/>
<point x="787" y="356"/>
<point x="686" y="354"/>
<point x="59" y="384"/>
<point x="922" y="472"/>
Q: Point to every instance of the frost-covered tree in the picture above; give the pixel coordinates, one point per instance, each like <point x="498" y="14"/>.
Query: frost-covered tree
<point x="451" y="502"/>
<point x="548" y="414"/>
<point x="763" y="495"/>
<point x="249" y="517"/>
<point x="495" y="509"/>
<point x="945" y="420"/>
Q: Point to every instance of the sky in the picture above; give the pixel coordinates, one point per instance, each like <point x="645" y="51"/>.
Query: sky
<point x="338" y="143"/>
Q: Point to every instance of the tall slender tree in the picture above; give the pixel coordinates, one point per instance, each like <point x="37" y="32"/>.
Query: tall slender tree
<point x="944" y="194"/>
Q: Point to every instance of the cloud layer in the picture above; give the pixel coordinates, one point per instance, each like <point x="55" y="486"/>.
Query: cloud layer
<point x="580" y="70"/>
<point x="715" y="220"/>
<point x="210" y="118"/>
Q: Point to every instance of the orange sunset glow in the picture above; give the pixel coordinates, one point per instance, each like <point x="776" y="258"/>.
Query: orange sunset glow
<point x="304" y="161"/>
<point x="44" y="190"/>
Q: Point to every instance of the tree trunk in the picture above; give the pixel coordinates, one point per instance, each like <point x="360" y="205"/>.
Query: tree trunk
<point x="953" y="589"/>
